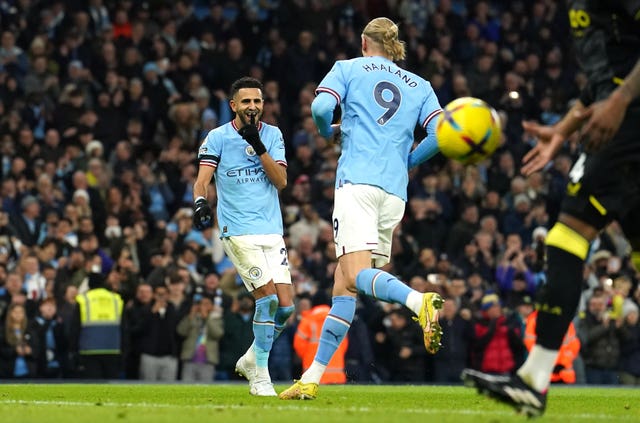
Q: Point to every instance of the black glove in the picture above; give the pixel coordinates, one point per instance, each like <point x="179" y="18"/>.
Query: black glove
<point x="251" y="135"/>
<point x="202" y="214"/>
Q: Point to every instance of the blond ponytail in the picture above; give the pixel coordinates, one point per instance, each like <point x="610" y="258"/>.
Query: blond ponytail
<point x="385" y="32"/>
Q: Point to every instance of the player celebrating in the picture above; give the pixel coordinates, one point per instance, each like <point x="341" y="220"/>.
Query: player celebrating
<point x="604" y="184"/>
<point x="381" y="105"/>
<point x="249" y="161"/>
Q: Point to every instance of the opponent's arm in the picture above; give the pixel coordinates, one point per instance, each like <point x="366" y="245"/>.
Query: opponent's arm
<point x="606" y="116"/>
<point x="630" y="88"/>
<point x="550" y="138"/>
<point x="571" y="121"/>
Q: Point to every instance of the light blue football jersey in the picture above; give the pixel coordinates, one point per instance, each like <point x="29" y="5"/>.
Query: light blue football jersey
<point x="381" y="106"/>
<point x="248" y="202"/>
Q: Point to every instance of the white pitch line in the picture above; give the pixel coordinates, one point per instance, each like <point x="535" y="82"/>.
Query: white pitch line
<point x="152" y="405"/>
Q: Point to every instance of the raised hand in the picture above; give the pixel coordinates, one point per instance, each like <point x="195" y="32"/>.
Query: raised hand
<point x="251" y="135"/>
<point x="549" y="142"/>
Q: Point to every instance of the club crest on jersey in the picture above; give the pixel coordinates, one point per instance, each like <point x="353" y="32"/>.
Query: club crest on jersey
<point x="249" y="151"/>
<point x="255" y="273"/>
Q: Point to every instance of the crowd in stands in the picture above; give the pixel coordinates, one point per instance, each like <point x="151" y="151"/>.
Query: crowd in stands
<point x="103" y="105"/>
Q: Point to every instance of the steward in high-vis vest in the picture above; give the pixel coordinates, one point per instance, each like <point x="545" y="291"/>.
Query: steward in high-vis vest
<point x="307" y="339"/>
<point x="563" y="372"/>
<point x="96" y="331"/>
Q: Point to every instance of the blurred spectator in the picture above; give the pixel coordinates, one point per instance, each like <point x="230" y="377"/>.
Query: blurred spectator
<point x="28" y="223"/>
<point x="66" y="308"/>
<point x="620" y="290"/>
<point x="424" y="265"/>
<point x="95" y="342"/>
<point x="630" y="346"/>
<point x="600" y="339"/>
<point x="309" y="223"/>
<point x="158" y="359"/>
<point x="512" y="273"/>
<point x="134" y="329"/>
<point x="202" y="330"/>
<point x="51" y="357"/>
<point x="426" y="224"/>
<point x="18" y="345"/>
<point x="359" y="359"/>
<point x="238" y="334"/>
<point x="463" y="230"/>
<point x="34" y="283"/>
<point x="307" y="338"/>
<point x="472" y="260"/>
<point x="457" y="336"/>
<point x="14" y="293"/>
<point x="497" y="346"/>
<point x="563" y="371"/>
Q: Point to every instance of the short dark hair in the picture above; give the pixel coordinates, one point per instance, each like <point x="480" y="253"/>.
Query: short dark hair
<point x="245" y="82"/>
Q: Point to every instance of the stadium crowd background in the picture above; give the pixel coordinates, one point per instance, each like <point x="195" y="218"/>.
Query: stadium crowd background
<point x="103" y="105"/>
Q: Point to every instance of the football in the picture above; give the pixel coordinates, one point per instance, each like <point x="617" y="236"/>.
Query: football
<point x="468" y="130"/>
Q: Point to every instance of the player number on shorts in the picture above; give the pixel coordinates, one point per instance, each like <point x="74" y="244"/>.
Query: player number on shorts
<point x="577" y="171"/>
<point x="285" y="260"/>
<point x="385" y="89"/>
<point x="335" y="228"/>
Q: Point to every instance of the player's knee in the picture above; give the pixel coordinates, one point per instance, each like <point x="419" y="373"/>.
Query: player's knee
<point x="344" y="282"/>
<point x="265" y="290"/>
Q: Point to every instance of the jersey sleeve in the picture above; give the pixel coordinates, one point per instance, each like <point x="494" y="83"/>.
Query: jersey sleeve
<point x="209" y="152"/>
<point x="276" y="147"/>
<point x="430" y="108"/>
<point x="334" y="82"/>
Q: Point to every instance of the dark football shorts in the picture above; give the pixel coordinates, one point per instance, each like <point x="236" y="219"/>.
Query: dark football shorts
<point x="605" y="186"/>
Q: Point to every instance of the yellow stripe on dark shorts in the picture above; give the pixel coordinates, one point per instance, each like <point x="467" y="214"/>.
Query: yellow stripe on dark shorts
<point x="597" y="205"/>
<point x="563" y="237"/>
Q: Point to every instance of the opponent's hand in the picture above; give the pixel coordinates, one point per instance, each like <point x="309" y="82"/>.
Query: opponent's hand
<point x="202" y="214"/>
<point x="604" y="119"/>
<point x="251" y="135"/>
<point x="549" y="143"/>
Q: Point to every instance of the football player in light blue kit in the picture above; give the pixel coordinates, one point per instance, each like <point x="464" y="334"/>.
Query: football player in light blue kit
<point x="249" y="163"/>
<point x="381" y="105"/>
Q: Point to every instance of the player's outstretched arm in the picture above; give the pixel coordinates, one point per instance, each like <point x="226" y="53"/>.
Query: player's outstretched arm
<point x="605" y="116"/>
<point x="550" y="139"/>
<point x="427" y="148"/>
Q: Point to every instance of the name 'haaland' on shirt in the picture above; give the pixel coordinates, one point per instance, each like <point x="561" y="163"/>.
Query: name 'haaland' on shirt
<point x="394" y="71"/>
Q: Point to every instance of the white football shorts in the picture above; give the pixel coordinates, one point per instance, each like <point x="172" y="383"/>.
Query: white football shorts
<point x="364" y="217"/>
<point x="258" y="259"/>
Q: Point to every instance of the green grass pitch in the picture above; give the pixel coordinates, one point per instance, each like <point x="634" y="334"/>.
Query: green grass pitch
<point x="348" y="403"/>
